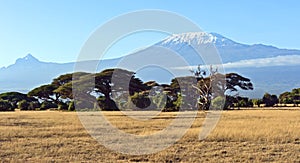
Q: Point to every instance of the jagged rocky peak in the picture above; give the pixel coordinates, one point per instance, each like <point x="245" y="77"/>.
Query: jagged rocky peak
<point x="27" y="59"/>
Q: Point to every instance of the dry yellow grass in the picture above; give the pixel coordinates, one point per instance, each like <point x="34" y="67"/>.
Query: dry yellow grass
<point x="240" y="136"/>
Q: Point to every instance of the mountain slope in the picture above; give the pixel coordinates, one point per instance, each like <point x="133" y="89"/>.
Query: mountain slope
<point x="229" y="50"/>
<point x="28" y="72"/>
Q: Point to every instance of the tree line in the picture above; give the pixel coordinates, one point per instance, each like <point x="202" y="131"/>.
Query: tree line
<point x="98" y="91"/>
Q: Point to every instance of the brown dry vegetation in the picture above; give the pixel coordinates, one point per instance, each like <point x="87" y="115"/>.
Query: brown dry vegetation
<point x="240" y="136"/>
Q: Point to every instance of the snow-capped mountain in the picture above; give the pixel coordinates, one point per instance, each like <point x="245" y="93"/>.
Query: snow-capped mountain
<point x="229" y="50"/>
<point x="197" y="38"/>
<point x="29" y="72"/>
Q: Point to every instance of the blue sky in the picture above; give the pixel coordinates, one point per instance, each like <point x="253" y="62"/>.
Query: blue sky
<point x="55" y="30"/>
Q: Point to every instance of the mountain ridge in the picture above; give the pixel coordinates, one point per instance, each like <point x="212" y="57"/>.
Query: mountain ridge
<point x="29" y="72"/>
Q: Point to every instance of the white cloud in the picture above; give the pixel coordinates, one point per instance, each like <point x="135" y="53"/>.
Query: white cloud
<point x="287" y="60"/>
<point x="266" y="62"/>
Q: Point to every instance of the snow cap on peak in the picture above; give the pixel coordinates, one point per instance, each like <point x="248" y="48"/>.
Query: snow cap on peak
<point x="197" y="38"/>
<point x="192" y="37"/>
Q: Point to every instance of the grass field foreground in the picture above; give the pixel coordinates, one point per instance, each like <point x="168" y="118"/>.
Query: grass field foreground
<point x="242" y="135"/>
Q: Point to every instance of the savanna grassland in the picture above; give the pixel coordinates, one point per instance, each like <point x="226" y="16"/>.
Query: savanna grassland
<point x="248" y="135"/>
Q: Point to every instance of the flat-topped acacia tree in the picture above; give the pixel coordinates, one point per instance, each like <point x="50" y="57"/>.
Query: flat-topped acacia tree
<point x="205" y="85"/>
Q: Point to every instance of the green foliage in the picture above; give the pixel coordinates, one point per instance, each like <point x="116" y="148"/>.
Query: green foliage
<point x="257" y="102"/>
<point x="244" y="102"/>
<point x="141" y="101"/>
<point x="187" y="91"/>
<point x="5" y="106"/>
<point x="64" y="84"/>
<point x="34" y="105"/>
<point x="85" y="105"/>
<point x="237" y="101"/>
<point x="229" y="102"/>
<point x="292" y="97"/>
<point x="103" y="82"/>
<point x="71" y="106"/>
<point x="14" y="97"/>
<point x="48" y="105"/>
<point x="218" y="103"/>
<point x="65" y="91"/>
<point x="190" y="92"/>
<point x="23" y="105"/>
<point x="106" y="104"/>
<point x="45" y="93"/>
<point x="270" y="100"/>
<point x="241" y="103"/>
<point x="63" y="106"/>
<point x="200" y="93"/>
<point x="10" y="96"/>
<point x="234" y="81"/>
<point x="178" y="102"/>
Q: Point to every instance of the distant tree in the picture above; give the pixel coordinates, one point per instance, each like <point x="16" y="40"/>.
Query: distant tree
<point x="108" y="92"/>
<point x="183" y="94"/>
<point x="5" y="106"/>
<point x="235" y="81"/>
<point x="274" y="99"/>
<point x="296" y="96"/>
<point x="207" y="84"/>
<point x="23" y="105"/>
<point x="292" y="97"/>
<point x="63" y="106"/>
<point x="65" y="91"/>
<point x="173" y="97"/>
<point x="62" y="80"/>
<point x="48" y="105"/>
<point x="257" y="102"/>
<point x="229" y="102"/>
<point x="104" y="85"/>
<point x="58" y="92"/>
<point x="286" y="98"/>
<point x="204" y="86"/>
<point x="46" y="93"/>
<point x="14" y="97"/>
<point x="218" y="103"/>
<point x="237" y="101"/>
<point x="270" y="100"/>
<point x="178" y="102"/>
<point x="156" y="94"/>
<point x="64" y="84"/>
<point x="34" y="105"/>
<point x="141" y="101"/>
<point x="159" y="100"/>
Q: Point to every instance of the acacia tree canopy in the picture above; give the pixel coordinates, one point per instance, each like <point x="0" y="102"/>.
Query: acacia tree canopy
<point x="116" y="83"/>
<point x="14" y="97"/>
<point x="234" y="81"/>
<point x="206" y="82"/>
<point x="45" y="93"/>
